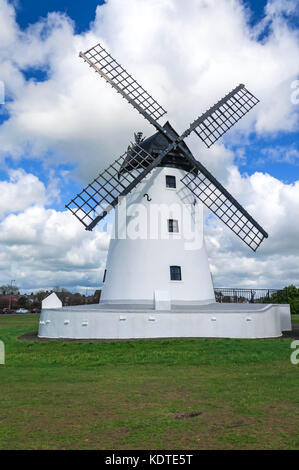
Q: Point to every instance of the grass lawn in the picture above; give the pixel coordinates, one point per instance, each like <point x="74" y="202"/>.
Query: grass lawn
<point x="163" y="394"/>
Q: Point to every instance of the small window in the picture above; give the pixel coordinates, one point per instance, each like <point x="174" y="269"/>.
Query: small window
<point x="170" y="181"/>
<point x="173" y="225"/>
<point x="104" y="277"/>
<point x="175" y="273"/>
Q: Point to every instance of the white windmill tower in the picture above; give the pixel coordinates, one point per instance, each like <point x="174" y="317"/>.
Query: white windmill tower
<point x="159" y="187"/>
<point x="158" y="283"/>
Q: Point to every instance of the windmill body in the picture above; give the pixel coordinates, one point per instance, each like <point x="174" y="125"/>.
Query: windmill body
<point x="158" y="243"/>
<point x="157" y="258"/>
<point x="145" y="258"/>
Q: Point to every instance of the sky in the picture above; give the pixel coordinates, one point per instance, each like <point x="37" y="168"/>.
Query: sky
<point x="60" y="125"/>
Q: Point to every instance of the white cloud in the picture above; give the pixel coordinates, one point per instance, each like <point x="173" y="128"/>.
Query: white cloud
<point x="7" y="23"/>
<point x="287" y="154"/>
<point x="275" y="206"/>
<point x="187" y="55"/>
<point x="43" y="248"/>
<point x="76" y="115"/>
<point x="21" y="191"/>
<point x="277" y="7"/>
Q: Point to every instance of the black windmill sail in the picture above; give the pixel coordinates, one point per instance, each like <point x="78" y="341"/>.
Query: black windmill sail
<point x="166" y="148"/>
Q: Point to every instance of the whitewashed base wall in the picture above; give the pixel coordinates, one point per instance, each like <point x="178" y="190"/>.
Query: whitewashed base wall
<point x="265" y="321"/>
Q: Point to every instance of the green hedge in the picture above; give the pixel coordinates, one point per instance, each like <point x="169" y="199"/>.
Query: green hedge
<point x="294" y="304"/>
<point x="288" y="295"/>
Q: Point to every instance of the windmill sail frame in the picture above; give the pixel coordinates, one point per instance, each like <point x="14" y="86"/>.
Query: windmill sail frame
<point x="215" y="122"/>
<point x="219" y="201"/>
<point x="96" y="200"/>
<point x="103" y="63"/>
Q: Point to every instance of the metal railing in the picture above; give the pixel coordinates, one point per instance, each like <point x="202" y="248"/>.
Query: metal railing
<point x="239" y="295"/>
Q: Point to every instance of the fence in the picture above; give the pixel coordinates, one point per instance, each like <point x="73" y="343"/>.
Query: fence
<point x="236" y="295"/>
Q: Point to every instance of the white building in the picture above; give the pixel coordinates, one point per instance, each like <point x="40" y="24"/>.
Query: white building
<point x="158" y="245"/>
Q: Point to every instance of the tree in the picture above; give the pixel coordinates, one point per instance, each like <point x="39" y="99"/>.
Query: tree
<point x="23" y="302"/>
<point x="287" y="295"/>
<point x="294" y="304"/>
<point x="9" y="289"/>
<point x="59" y="289"/>
<point x="42" y="294"/>
<point x="292" y="292"/>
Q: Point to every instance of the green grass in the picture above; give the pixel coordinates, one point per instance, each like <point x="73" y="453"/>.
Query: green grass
<point x="138" y="394"/>
<point x="295" y="318"/>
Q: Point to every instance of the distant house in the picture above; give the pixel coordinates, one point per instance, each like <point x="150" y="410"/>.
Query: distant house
<point x="7" y="300"/>
<point x="52" y="301"/>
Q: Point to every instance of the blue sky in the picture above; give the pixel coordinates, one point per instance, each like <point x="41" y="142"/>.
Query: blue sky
<point x="82" y="13"/>
<point x="63" y="163"/>
<point x="29" y="12"/>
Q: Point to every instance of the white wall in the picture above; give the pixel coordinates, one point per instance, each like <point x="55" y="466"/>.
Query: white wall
<point x="137" y="267"/>
<point x="52" y="301"/>
<point x="89" y="323"/>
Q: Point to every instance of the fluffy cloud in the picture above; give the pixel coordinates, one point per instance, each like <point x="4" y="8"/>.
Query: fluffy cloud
<point x="72" y="115"/>
<point x="275" y="8"/>
<point x="42" y="247"/>
<point x="275" y="206"/>
<point x="20" y="191"/>
<point x="75" y="115"/>
<point x="287" y="154"/>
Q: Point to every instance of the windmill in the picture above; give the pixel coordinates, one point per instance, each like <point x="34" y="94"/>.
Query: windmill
<point x="162" y="169"/>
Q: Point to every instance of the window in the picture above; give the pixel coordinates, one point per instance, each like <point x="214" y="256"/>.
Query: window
<point x="170" y="181"/>
<point x="104" y="277"/>
<point x="175" y="273"/>
<point x="173" y="225"/>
